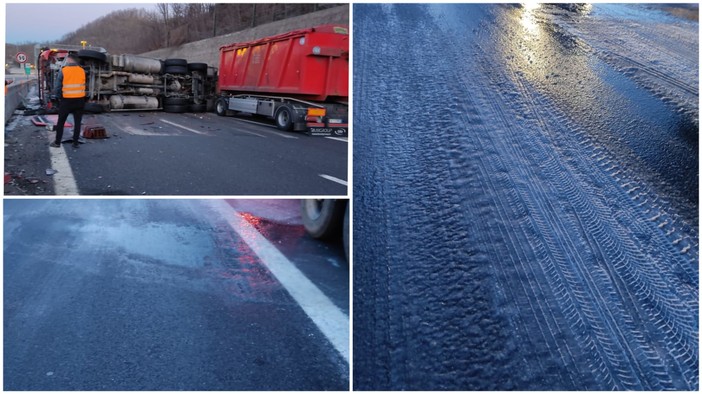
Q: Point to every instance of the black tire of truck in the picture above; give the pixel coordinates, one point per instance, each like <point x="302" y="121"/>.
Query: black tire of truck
<point x="221" y="107"/>
<point x="90" y="54"/>
<point x="175" y="70"/>
<point x="175" y="62"/>
<point x="323" y="219"/>
<point x="175" y="101"/>
<point x="283" y="118"/>
<point x="199" y="67"/>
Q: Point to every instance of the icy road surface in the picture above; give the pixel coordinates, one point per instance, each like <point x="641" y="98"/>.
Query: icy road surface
<point x="525" y="198"/>
<point x="127" y="295"/>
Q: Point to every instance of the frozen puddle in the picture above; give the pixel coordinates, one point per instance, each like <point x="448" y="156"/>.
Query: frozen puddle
<point x="166" y="242"/>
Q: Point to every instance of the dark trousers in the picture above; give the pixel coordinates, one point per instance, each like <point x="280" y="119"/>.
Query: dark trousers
<point x="70" y="106"/>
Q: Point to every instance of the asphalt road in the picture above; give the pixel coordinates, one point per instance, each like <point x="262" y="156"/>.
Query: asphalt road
<point x="167" y="295"/>
<point x="525" y="198"/>
<point x="157" y="153"/>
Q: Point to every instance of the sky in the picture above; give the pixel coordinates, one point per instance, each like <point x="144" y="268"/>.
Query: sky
<point x="44" y="22"/>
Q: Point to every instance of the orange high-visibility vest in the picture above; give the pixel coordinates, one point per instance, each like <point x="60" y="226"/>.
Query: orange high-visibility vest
<point x="73" y="82"/>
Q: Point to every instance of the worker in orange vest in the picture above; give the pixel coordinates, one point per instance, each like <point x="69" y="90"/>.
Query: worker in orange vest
<point x="70" y="88"/>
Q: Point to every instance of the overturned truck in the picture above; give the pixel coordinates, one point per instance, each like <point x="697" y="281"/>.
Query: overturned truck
<point x="131" y="82"/>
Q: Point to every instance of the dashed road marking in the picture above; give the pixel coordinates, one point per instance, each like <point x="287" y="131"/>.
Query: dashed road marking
<point x="338" y="139"/>
<point x="334" y="179"/>
<point x="330" y="320"/>
<point x="64" y="182"/>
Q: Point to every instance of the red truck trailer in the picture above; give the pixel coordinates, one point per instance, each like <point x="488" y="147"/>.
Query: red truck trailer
<point x="299" y="78"/>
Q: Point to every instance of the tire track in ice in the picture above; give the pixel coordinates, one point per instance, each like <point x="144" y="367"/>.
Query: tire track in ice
<point x="526" y="91"/>
<point x="624" y="378"/>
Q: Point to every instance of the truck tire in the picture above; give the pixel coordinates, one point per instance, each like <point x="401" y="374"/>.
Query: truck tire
<point x="175" y="101"/>
<point x="199" y="67"/>
<point x="92" y="55"/>
<point x="283" y="118"/>
<point x="176" y="70"/>
<point x="175" y="62"/>
<point x="221" y="107"/>
<point x="323" y="219"/>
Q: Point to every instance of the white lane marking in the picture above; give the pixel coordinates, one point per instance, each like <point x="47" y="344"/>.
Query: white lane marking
<point x="338" y="139"/>
<point x="334" y="179"/>
<point x="183" y="127"/>
<point x="330" y="320"/>
<point x="64" y="182"/>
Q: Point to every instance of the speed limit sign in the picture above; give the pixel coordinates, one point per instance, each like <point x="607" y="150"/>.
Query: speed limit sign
<point x="21" y="57"/>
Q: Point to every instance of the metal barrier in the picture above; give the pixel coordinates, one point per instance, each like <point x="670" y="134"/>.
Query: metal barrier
<point x="14" y="94"/>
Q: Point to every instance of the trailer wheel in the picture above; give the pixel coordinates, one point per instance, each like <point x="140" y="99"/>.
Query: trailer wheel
<point x="221" y="107"/>
<point x="92" y="55"/>
<point x="323" y="219"/>
<point x="283" y="118"/>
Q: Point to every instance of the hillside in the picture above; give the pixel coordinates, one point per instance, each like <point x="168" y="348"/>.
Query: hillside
<point x="138" y="30"/>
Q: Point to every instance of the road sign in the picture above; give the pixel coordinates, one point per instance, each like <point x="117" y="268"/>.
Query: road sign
<point x="21" y="57"/>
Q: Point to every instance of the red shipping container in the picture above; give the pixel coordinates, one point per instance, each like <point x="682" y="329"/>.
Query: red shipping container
<point x="309" y="64"/>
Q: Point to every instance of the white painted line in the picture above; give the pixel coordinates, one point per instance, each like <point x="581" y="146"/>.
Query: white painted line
<point x="64" y="182"/>
<point x="338" y="139"/>
<point x="333" y="179"/>
<point x="330" y="320"/>
<point x="183" y="127"/>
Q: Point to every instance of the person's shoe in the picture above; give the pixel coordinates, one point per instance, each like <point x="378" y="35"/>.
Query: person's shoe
<point x="55" y="145"/>
<point x="76" y="145"/>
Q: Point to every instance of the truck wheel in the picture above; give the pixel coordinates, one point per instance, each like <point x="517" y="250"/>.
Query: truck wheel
<point x="323" y="219"/>
<point x="175" y="101"/>
<point x="200" y="67"/>
<point x="92" y="55"/>
<point x="176" y="70"/>
<point x="175" y="62"/>
<point x="283" y="118"/>
<point x="221" y="107"/>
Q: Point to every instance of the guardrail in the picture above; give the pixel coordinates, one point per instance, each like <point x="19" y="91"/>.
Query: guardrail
<point x="14" y="94"/>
